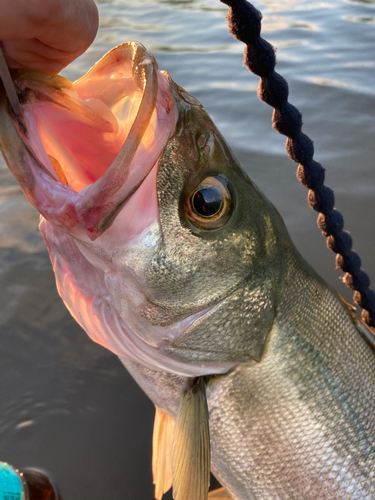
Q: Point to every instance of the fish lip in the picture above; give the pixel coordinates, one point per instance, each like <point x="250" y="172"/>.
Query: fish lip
<point x="94" y="209"/>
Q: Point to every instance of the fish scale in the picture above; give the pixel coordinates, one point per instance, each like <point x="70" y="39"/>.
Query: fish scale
<point x="304" y="414"/>
<point x="300" y="423"/>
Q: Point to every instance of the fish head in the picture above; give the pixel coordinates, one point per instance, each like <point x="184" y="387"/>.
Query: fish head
<point x="163" y="248"/>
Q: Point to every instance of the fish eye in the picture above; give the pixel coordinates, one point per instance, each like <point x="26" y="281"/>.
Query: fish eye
<point x="207" y="202"/>
<point x="209" y="206"/>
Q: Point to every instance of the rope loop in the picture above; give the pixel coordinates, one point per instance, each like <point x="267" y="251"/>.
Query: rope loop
<point x="244" y="22"/>
<point x="273" y="90"/>
<point x="311" y="175"/>
<point x="287" y="119"/>
<point x="322" y="200"/>
<point x="331" y="224"/>
<point x="350" y="263"/>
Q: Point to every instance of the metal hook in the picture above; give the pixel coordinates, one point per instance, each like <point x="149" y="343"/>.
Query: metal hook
<point x="8" y="84"/>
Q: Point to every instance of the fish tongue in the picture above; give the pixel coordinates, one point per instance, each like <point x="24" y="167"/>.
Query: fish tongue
<point x="191" y="445"/>
<point x="36" y="87"/>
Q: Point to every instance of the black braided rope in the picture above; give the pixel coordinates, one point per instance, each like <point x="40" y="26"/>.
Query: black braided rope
<point x="244" y="22"/>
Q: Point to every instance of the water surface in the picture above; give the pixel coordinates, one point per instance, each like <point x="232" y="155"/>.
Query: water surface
<point x="66" y="404"/>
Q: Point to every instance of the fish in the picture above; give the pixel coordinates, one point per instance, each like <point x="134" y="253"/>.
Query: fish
<point x="166" y="253"/>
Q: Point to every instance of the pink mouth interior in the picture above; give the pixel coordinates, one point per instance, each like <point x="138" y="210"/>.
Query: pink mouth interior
<point x="99" y="139"/>
<point x="86" y="145"/>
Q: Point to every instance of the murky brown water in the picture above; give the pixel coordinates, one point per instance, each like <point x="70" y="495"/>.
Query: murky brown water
<point x="66" y="404"/>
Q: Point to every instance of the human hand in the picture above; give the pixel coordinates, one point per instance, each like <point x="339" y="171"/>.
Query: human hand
<point x="46" y="34"/>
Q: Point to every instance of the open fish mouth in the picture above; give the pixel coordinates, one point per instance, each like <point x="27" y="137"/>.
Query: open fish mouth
<point x="79" y="151"/>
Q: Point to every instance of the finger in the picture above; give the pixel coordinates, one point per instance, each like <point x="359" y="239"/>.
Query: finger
<point x="46" y="35"/>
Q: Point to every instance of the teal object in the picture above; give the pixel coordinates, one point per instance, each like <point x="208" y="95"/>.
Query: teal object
<point x="11" y="487"/>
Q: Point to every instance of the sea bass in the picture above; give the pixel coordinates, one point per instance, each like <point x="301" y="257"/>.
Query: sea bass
<point x="167" y="254"/>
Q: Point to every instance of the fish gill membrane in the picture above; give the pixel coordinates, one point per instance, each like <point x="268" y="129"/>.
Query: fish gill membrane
<point x="167" y="254"/>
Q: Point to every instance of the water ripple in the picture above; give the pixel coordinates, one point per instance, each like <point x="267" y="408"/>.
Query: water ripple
<point x="361" y="19"/>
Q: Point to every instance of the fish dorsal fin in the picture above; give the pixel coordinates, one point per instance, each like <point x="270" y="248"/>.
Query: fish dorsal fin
<point x="191" y="445"/>
<point x="367" y="332"/>
<point x="221" y="494"/>
<point x="162" y="442"/>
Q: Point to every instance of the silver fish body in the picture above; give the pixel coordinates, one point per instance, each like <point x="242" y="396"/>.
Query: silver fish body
<point x="299" y="424"/>
<point x="207" y="283"/>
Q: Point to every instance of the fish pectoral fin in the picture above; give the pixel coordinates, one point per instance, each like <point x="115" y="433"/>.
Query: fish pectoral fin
<point x="162" y="444"/>
<point x="221" y="494"/>
<point x="191" y="445"/>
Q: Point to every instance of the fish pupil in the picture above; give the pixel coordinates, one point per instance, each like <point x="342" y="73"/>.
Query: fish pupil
<point x="207" y="202"/>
